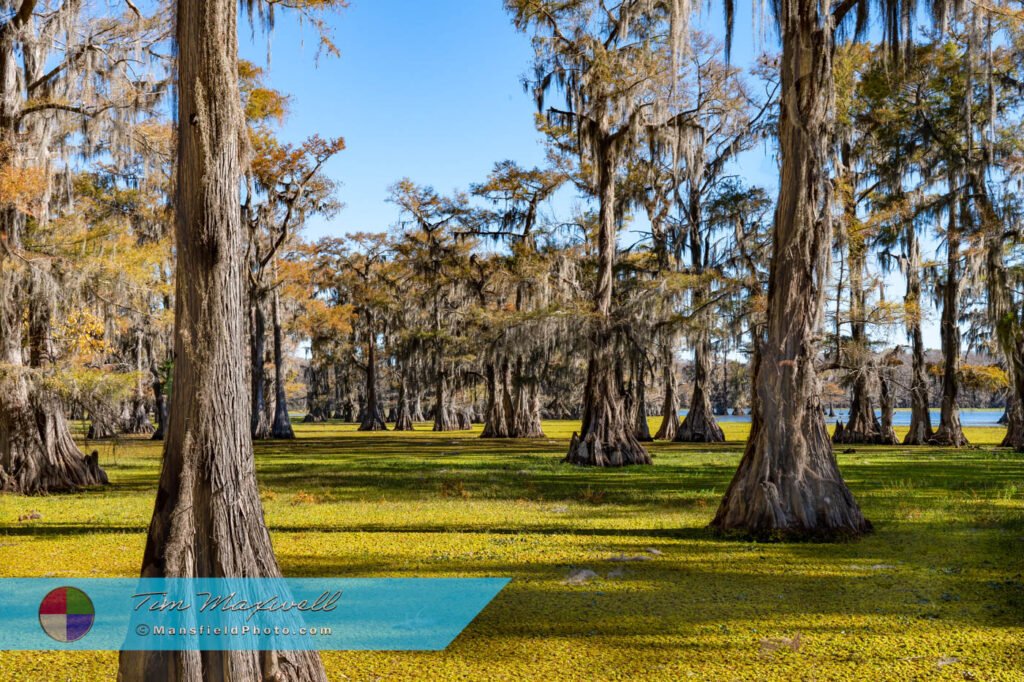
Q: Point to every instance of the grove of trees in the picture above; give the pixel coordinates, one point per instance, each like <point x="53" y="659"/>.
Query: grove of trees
<point x="155" y="278"/>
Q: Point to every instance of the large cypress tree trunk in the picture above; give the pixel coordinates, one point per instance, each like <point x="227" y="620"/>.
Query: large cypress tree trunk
<point x="606" y="436"/>
<point x="499" y="405"/>
<point x="788" y="484"/>
<point x="525" y="407"/>
<point x="208" y="519"/>
<point x="699" y="425"/>
<point x="259" y="425"/>
<point x="669" y="405"/>
<point x="282" y="425"/>
<point x="373" y="417"/>
<point x="920" y="432"/>
<point x="950" y="431"/>
<point x="37" y="451"/>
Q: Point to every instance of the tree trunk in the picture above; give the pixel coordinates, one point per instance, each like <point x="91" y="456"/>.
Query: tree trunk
<point x="208" y="518"/>
<point x="699" y="425"/>
<point x="606" y="437"/>
<point x="669" y="405"/>
<point x="159" y="403"/>
<point x="373" y="418"/>
<point x="920" y="432"/>
<point x="886" y="434"/>
<point x="442" y="414"/>
<point x="417" y="406"/>
<point x="525" y="409"/>
<point x="862" y="426"/>
<point x="317" y="388"/>
<point x="788" y="483"/>
<point x="642" y="430"/>
<point x="950" y="431"/>
<point x="37" y="451"/>
<point x="403" y="417"/>
<point x="259" y="425"/>
<point x="499" y="405"/>
<point x="136" y="421"/>
<point x="282" y="426"/>
<point x="1014" y="423"/>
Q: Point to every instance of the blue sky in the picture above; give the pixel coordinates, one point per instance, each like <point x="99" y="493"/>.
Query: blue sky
<point x="429" y="90"/>
<point x="432" y="91"/>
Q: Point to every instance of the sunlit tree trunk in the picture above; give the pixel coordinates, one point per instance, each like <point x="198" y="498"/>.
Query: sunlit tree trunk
<point x="606" y="436"/>
<point x="136" y="419"/>
<point x="498" y="414"/>
<point x="443" y="420"/>
<point x="373" y="418"/>
<point x="886" y="434"/>
<point x="281" y="428"/>
<point x="208" y="518"/>
<point x="642" y="429"/>
<point x="920" y="432"/>
<point x="950" y="431"/>
<point x="862" y="426"/>
<point x="403" y="416"/>
<point x="699" y="425"/>
<point x="258" y="337"/>
<point x="525" y="403"/>
<point x="788" y="484"/>
<point x="669" y="404"/>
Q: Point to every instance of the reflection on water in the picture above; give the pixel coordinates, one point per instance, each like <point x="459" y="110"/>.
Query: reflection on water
<point x="980" y="417"/>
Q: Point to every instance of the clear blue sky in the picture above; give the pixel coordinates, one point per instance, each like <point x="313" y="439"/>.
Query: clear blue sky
<point x="432" y="90"/>
<point x="429" y="90"/>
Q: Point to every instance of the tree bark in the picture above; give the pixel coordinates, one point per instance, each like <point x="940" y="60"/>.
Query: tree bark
<point x="373" y="417"/>
<point x="886" y="434"/>
<point x="159" y="402"/>
<point x="208" y="518"/>
<point x="950" y="431"/>
<point x="920" y="432"/>
<point x="499" y="404"/>
<point x="282" y="426"/>
<point x="669" y="405"/>
<point x="525" y="408"/>
<point x="136" y="420"/>
<point x="443" y="418"/>
<point x="403" y="416"/>
<point x="642" y="430"/>
<point x="862" y="426"/>
<point x="788" y="484"/>
<point x="260" y="427"/>
<point x="699" y="425"/>
<point x="606" y="437"/>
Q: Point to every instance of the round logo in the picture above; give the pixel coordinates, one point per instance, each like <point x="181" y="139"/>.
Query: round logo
<point x="66" y="614"/>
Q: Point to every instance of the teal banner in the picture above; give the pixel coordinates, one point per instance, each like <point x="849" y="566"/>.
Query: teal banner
<point x="263" y="614"/>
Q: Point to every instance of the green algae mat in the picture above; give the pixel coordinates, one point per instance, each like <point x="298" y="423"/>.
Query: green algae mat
<point x="614" y="576"/>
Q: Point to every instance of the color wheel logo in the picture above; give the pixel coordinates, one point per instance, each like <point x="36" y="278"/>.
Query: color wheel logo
<point x="66" y="614"/>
